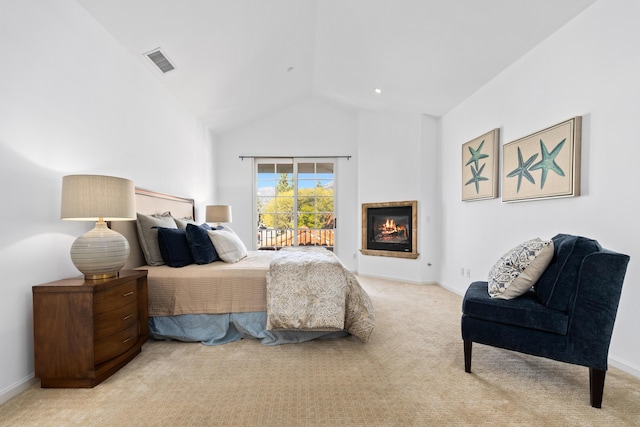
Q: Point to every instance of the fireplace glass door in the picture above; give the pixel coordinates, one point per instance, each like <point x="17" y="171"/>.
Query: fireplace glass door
<point x="389" y="228"/>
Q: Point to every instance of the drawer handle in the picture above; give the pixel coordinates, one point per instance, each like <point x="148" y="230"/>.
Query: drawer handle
<point x="127" y="340"/>
<point x="127" y="317"/>
<point x="128" y="294"/>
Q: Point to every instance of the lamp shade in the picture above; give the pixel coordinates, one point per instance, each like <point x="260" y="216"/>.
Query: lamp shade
<point x="91" y="197"/>
<point x="218" y="213"/>
<point x="101" y="252"/>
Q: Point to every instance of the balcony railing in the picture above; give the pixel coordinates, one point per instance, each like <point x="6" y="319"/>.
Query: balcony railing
<point x="273" y="238"/>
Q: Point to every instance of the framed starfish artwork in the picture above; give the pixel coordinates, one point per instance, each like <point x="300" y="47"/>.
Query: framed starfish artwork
<point x="545" y="164"/>
<point x="480" y="167"/>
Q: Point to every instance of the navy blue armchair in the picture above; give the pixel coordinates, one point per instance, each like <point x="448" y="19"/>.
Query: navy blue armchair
<point x="568" y="316"/>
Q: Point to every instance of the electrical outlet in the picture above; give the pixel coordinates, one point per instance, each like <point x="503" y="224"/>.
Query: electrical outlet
<point x="462" y="271"/>
<point x="468" y="272"/>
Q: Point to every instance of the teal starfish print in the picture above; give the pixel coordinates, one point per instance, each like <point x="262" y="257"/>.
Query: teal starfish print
<point x="477" y="177"/>
<point x="548" y="161"/>
<point x="522" y="169"/>
<point x="476" y="156"/>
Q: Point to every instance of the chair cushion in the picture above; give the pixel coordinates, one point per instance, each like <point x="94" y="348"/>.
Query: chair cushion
<point x="525" y="311"/>
<point x="558" y="283"/>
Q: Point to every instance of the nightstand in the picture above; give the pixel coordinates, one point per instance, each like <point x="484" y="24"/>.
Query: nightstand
<point x="85" y="330"/>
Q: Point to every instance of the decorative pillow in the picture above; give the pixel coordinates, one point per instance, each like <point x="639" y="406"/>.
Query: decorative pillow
<point x="511" y="265"/>
<point x="174" y="247"/>
<point x="182" y="222"/>
<point x="200" y="245"/>
<point x="228" y="245"/>
<point x="148" y="235"/>
<point x="525" y="280"/>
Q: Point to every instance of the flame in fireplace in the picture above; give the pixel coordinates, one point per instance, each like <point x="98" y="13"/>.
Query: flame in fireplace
<point x="390" y="224"/>
<point x="389" y="229"/>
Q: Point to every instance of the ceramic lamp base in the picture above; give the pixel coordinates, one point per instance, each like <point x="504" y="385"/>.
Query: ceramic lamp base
<point x="100" y="253"/>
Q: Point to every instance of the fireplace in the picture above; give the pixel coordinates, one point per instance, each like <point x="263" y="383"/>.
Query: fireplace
<point x="390" y="229"/>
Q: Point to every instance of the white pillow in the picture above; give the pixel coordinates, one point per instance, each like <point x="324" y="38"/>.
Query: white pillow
<point x="228" y="245"/>
<point x="507" y="278"/>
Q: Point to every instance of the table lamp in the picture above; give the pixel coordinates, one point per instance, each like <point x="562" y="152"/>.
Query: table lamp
<point x="218" y="214"/>
<point x="101" y="252"/>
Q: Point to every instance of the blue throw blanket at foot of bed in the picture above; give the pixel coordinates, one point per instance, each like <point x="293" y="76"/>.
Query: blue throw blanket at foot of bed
<point x="214" y="329"/>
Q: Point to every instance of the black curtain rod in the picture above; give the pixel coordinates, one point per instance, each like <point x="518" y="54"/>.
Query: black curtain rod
<point x="294" y="157"/>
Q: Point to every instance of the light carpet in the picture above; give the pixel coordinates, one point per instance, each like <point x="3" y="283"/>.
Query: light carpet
<point x="411" y="373"/>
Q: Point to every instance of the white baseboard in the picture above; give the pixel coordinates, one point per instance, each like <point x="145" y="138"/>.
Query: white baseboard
<point x="414" y="282"/>
<point x="452" y="290"/>
<point x="16" y="388"/>
<point x="625" y="366"/>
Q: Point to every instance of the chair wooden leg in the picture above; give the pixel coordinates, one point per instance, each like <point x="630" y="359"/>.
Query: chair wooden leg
<point x="596" y="386"/>
<point x="467" y="355"/>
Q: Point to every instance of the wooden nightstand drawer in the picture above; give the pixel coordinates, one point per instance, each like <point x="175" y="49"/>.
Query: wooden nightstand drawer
<point x="85" y="330"/>
<point x="107" y="323"/>
<point x="114" y="297"/>
<point x="113" y="345"/>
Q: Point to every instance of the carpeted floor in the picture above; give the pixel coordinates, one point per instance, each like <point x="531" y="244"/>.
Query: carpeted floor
<point x="410" y="374"/>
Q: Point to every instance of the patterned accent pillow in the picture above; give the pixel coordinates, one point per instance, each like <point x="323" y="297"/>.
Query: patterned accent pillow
<point x="512" y="264"/>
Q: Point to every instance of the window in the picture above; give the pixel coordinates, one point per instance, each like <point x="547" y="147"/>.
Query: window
<point x="295" y="202"/>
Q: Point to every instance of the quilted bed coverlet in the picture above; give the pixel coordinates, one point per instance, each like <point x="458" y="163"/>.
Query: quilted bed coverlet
<point x="214" y="288"/>
<point x="310" y="289"/>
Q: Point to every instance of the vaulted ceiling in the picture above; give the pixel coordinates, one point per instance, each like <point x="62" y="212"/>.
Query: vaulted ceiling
<point x="239" y="60"/>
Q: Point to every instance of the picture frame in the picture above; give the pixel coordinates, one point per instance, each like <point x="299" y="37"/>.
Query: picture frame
<point x="480" y="167"/>
<point x="545" y="164"/>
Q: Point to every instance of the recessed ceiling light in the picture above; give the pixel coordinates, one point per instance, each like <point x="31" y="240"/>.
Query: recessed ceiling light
<point x="378" y="91"/>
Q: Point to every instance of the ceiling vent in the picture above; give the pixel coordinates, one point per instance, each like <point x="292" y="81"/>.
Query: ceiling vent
<point x="160" y="60"/>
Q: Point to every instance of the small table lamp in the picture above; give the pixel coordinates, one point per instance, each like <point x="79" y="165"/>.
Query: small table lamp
<point x="218" y="214"/>
<point x="101" y="252"/>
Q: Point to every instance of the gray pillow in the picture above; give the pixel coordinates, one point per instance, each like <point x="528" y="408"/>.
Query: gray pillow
<point x="182" y="222"/>
<point x="148" y="235"/>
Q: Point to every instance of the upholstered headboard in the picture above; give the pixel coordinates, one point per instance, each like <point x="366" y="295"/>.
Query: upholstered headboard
<point x="149" y="203"/>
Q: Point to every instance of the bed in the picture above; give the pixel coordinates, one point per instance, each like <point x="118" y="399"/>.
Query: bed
<point x="277" y="297"/>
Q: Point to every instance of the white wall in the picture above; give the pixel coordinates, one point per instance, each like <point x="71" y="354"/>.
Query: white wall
<point x="311" y="128"/>
<point x="73" y="101"/>
<point x="397" y="163"/>
<point x="392" y="160"/>
<point x="588" y="68"/>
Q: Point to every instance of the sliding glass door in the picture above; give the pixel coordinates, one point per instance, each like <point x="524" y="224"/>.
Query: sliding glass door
<point x="295" y="202"/>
